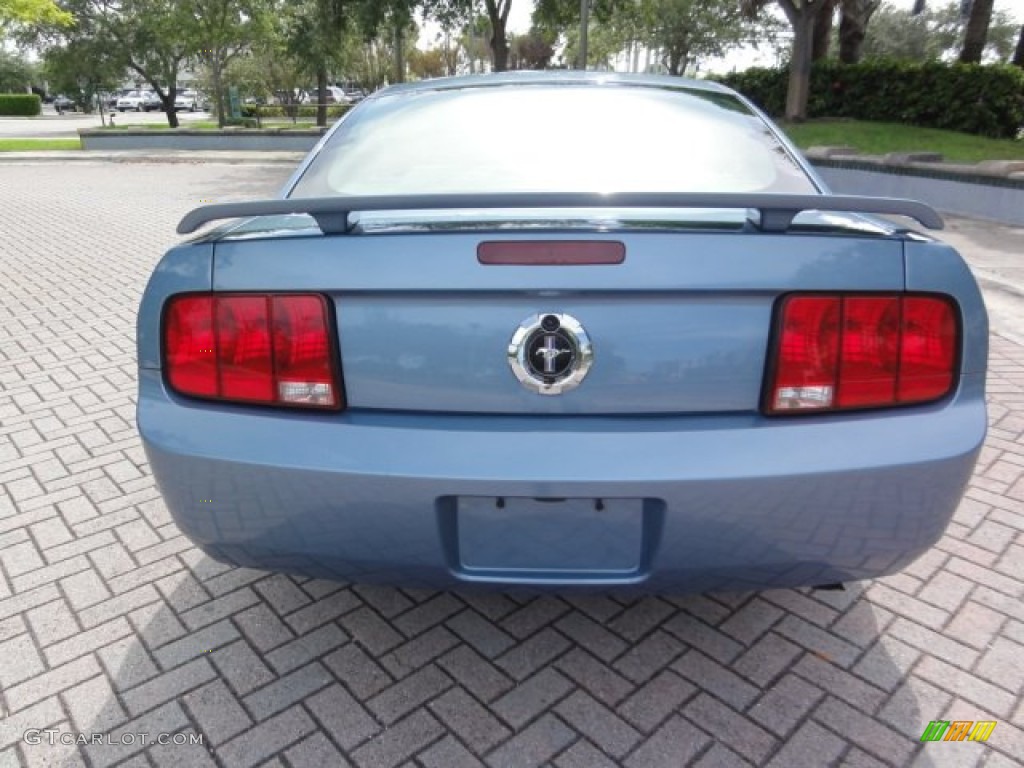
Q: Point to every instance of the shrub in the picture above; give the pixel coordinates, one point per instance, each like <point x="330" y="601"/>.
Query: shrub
<point x="20" y="104"/>
<point x="984" y="100"/>
<point x="763" y="86"/>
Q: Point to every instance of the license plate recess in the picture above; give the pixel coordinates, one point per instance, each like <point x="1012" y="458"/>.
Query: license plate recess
<point x="582" y="537"/>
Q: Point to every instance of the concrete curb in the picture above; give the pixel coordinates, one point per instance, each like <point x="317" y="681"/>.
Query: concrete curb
<point x="279" y="139"/>
<point x="921" y="163"/>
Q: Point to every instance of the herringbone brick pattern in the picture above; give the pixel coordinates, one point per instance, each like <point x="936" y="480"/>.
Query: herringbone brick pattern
<point x="110" y="623"/>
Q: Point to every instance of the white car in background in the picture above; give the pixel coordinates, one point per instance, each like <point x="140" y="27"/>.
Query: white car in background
<point x="186" y="100"/>
<point x="334" y="95"/>
<point x="133" y="101"/>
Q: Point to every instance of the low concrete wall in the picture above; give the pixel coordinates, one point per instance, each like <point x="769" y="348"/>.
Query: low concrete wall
<point x="183" y="138"/>
<point x="964" y="191"/>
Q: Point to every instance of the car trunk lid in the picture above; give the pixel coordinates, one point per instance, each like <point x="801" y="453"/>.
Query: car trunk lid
<point x="680" y="325"/>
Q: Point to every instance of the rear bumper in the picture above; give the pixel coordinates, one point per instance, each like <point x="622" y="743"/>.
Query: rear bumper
<point x="736" y="502"/>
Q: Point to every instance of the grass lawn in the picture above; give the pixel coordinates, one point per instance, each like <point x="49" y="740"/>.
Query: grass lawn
<point x="881" y="138"/>
<point x="35" y="145"/>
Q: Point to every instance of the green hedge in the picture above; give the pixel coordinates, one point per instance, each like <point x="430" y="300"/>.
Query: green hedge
<point x="240" y="122"/>
<point x="984" y="100"/>
<point x="302" y="110"/>
<point x="20" y="104"/>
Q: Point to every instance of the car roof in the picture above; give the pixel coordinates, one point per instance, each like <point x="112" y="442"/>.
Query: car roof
<point x="554" y="77"/>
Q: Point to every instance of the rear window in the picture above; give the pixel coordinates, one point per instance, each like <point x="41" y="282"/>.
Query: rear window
<point x="552" y="138"/>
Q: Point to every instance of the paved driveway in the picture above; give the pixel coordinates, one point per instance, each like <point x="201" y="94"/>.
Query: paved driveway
<point x="114" y="630"/>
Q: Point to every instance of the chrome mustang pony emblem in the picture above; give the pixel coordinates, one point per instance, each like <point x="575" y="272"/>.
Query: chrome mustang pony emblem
<point x="550" y="354"/>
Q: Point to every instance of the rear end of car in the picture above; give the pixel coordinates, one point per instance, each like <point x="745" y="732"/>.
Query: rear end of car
<point x="638" y="397"/>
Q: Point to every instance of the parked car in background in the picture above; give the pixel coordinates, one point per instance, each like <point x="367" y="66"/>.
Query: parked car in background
<point x="64" y="103"/>
<point x="151" y="102"/>
<point x="337" y="95"/>
<point x="131" y="101"/>
<point x="187" y="101"/>
<point x="334" y="95"/>
<point x="354" y="90"/>
<point x="649" y="351"/>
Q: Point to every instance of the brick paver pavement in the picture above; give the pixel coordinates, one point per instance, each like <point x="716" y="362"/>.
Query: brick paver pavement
<point x="110" y="623"/>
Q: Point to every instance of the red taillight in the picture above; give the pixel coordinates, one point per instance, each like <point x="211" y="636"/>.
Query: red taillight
<point x="927" y="349"/>
<point x="870" y="351"/>
<point x="252" y="348"/>
<point x="191" y="352"/>
<point x="302" y="351"/>
<point x="809" y="350"/>
<point x="835" y="352"/>
<point x="243" y="348"/>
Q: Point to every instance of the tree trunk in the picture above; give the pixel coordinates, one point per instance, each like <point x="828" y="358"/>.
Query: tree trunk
<point x="218" y="90"/>
<point x="853" y="27"/>
<point x="1018" y="55"/>
<point x="584" y="33"/>
<point x="977" y="32"/>
<point x="499" y="50"/>
<point x="802" y="15"/>
<point x="168" y="103"/>
<point x="499" y="37"/>
<point x="672" y="63"/>
<point x="676" y="60"/>
<point x="321" y="96"/>
<point x="399" y="53"/>
<point x="823" y="31"/>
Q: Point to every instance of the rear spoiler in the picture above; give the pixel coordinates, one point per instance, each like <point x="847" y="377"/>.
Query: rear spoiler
<point x="777" y="211"/>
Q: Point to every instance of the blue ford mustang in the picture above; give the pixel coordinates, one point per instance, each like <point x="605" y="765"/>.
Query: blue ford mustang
<point x="562" y="330"/>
